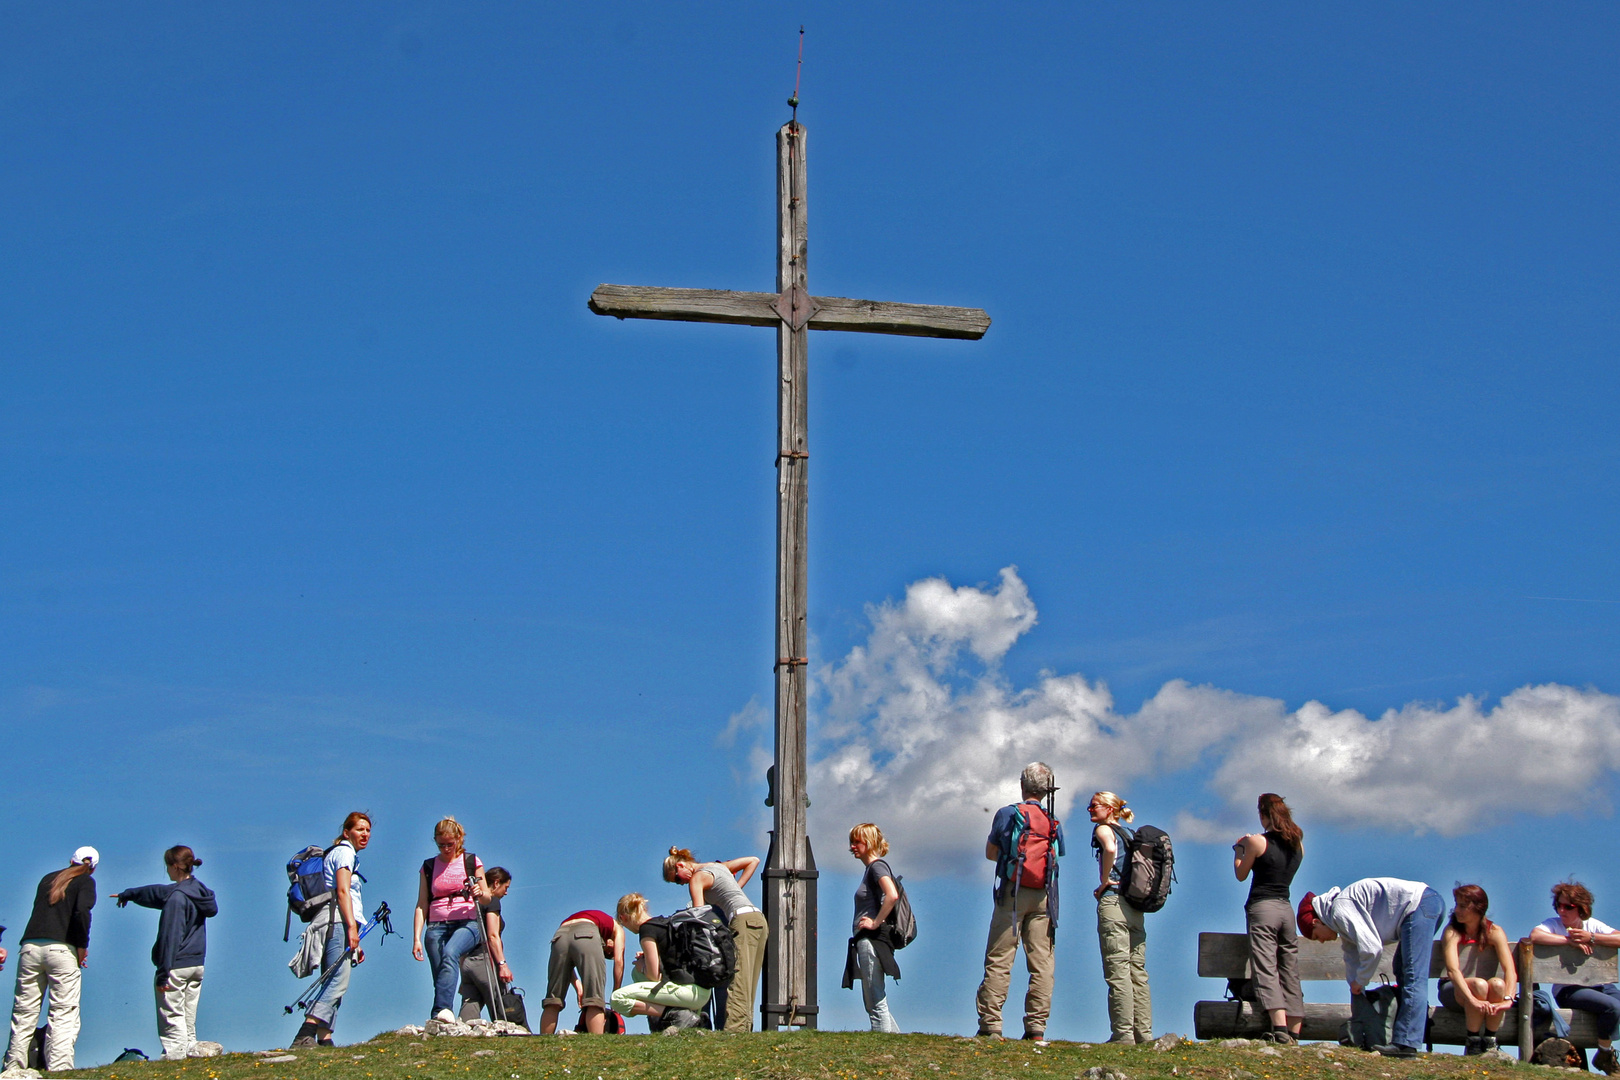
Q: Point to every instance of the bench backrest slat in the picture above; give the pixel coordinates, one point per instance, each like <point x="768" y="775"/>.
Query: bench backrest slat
<point x="1226" y="956"/>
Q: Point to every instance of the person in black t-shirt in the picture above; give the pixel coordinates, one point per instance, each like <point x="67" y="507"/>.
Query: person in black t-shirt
<point x="664" y="1004"/>
<point x="1273" y="855"/>
<point x="55" y="946"/>
<point x="476" y="994"/>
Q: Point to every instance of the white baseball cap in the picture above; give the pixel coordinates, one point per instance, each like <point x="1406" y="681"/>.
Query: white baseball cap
<point x="87" y="854"/>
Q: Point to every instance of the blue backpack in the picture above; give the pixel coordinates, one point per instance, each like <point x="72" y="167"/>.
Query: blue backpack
<point x="307" y="894"/>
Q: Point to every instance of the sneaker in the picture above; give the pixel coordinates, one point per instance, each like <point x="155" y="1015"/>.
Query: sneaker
<point x="1396" y="1050"/>
<point x="1604" y="1061"/>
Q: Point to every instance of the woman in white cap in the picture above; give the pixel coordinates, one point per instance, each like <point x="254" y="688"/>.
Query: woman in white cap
<point x="55" y="945"/>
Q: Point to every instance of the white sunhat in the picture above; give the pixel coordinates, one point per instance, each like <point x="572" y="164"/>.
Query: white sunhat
<point x="87" y="854"/>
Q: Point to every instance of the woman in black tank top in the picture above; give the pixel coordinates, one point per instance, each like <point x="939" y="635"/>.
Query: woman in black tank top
<point x="1273" y="857"/>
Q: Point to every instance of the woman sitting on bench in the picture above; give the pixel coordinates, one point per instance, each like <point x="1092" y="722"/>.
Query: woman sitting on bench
<point x="1470" y="942"/>
<point x="1574" y="925"/>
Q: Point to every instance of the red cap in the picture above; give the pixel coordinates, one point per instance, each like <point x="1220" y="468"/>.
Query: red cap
<point x="1307" y="915"/>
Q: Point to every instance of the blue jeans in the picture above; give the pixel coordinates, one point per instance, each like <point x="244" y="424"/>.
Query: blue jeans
<point x="873" y="991"/>
<point x="325" y="1006"/>
<point x="1603" y="1002"/>
<point x="446" y="943"/>
<point x="1412" y="968"/>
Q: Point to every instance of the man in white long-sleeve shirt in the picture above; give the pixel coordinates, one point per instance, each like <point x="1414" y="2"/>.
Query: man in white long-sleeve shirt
<point x="1369" y="914"/>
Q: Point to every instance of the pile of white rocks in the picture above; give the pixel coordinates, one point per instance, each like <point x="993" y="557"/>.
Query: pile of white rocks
<point x="463" y="1028"/>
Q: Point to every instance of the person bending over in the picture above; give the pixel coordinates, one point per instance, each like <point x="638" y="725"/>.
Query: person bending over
<point x="580" y="950"/>
<point x="1369" y="914"/>
<point x="721" y="884"/>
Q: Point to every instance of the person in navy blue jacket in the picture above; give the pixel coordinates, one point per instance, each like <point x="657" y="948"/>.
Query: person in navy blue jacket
<point x="182" y="941"/>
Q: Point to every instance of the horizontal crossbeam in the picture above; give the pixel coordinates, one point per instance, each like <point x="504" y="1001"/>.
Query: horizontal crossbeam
<point x="760" y="309"/>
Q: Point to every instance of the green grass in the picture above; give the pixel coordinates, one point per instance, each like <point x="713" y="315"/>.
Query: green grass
<point x="791" y="1056"/>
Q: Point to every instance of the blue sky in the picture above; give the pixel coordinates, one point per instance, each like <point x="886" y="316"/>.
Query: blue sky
<point x="324" y="490"/>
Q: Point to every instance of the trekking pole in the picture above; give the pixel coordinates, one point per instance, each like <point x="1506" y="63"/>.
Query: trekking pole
<point x="380" y="917"/>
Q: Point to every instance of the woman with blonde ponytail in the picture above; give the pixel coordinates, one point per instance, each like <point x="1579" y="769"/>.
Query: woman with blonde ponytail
<point x="55" y="946"/>
<point x="1120" y="931"/>
<point x="720" y="884"/>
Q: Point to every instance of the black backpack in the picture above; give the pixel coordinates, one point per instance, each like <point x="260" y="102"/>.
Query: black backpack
<point x="702" y="950"/>
<point x="901" y="926"/>
<point x="1148" y="868"/>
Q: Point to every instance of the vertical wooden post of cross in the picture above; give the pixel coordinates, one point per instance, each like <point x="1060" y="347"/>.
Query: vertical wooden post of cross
<point x="789" y="884"/>
<point x="789" y="887"/>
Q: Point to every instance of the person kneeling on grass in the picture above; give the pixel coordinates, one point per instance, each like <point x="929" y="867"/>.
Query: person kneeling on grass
<point x="1369" y="914"/>
<point x="664" y="1003"/>
<point x="1473" y="947"/>
<point x="1574" y="925"/>
<point x="581" y="946"/>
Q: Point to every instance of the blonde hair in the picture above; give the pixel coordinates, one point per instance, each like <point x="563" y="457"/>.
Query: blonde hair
<point x="1120" y="812"/>
<point x="677" y="857"/>
<point x="872" y="836"/>
<point x="632" y="909"/>
<point x="64" y="878"/>
<point x="450" y="829"/>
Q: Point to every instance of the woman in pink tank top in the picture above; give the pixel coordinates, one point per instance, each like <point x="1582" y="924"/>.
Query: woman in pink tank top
<point x="446" y="922"/>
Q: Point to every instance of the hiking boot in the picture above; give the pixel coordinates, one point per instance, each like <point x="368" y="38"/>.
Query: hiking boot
<point x="1396" y="1050"/>
<point x="303" y="1041"/>
<point x="1282" y="1037"/>
<point x="1487" y="1043"/>
<point x="986" y="1033"/>
<point x="1604" y="1061"/>
<point x="1034" y="1036"/>
<point x="681" y="1018"/>
<point x="1473" y="1046"/>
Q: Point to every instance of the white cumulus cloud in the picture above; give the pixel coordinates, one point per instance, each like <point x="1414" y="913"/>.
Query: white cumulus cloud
<point x="919" y="730"/>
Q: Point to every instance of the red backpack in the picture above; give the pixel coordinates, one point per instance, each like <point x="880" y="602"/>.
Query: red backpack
<point x="1033" y="834"/>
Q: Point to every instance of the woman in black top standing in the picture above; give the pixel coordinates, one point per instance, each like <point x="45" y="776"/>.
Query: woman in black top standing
<point x="55" y="945"/>
<point x="1273" y="856"/>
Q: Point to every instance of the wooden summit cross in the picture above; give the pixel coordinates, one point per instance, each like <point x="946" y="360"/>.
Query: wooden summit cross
<point x="790" y="868"/>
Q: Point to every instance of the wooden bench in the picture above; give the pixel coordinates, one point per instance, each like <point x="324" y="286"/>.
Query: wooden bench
<point x="1226" y="956"/>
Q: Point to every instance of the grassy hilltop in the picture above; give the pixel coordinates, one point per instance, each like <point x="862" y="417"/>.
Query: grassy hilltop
<point x="790" y="1056"/>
